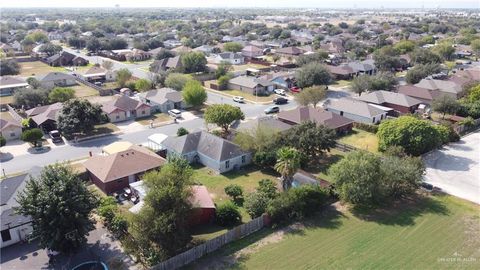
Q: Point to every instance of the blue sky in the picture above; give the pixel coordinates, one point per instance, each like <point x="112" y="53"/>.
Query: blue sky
<point x="248" y="3"/>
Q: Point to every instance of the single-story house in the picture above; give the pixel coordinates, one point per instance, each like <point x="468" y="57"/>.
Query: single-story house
<point x="203" y="211"/>
<point x="358" y="111"/>
<point x="251" y="85"/>
<point x="342" y="72"/>
<point x="281" y="79"/>
<point x="399" y="102"/>
<point x="212" y="151"/>
<point x="9" y="84"/>
<point x="169" y="63"/>
<point x="424" y="95"/>
<point x="252" y="51"/>
<point x="472" y="74"/>
<point x="318" y="115"/>
<point x="445" y="87"/>
<point x="267" y="122"/>
<point x="54" y="79"/>
<point x="206" y="49"/>
<point x="14" y="227"/>
<point x="116" y="171"/>
<point x="289" y="51"/>
<point x="364" y="67"/>
<point x="45" y="117"/>
<point x="172" y="43"/>
<point x="98" y="74"/>
<point x="125" y="108"/>
<point x="66" y="59"/>
<point x="10" y="129"/>
<point x="136" y="55"/>
<point x="163" y="100"/>
<point x="230" y="57"/>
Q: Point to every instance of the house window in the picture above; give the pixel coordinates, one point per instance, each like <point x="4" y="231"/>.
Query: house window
<point x="341" y="113"/>
<point x="373" y="120"/>
<point x="244" y="158"/>
<point x="119" y="181"/>
<point x="143" y="112"/>
<point x="381" y="117"/>
<point x="227" y="164"/>
<point x="12" y="134"/>
<point x="6" y="235"/>
<point x="117" y="117"/>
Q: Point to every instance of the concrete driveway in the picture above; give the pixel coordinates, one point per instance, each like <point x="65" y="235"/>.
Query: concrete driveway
<point x="456" y="168"/>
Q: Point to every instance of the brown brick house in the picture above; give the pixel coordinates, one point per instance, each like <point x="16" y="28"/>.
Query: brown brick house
<point x="399" y="102"/>
<point x="116" y="171"/>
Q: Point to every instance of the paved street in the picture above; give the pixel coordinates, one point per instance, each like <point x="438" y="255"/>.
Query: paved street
<point x="456" y="168"/>
<point x="100" y="246"/>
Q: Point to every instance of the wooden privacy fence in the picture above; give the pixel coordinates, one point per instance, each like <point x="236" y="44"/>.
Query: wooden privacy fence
<point x="345" y="147"/>
<point x="212" y="245"/>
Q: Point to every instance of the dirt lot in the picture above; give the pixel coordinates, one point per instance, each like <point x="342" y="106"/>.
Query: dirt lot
<point x="36" y="68"/>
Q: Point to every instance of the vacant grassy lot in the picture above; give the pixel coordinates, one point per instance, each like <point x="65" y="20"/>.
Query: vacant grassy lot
<point x="7" y="100"/>
<point x="422" y="233"/>
<point x="101" y="129"/>
<point x="341" y="83"/>
<point x="248" y="96"/>
<point x="82" y="90"/>
<point x="362" y="140"/>
<point x="37" y="68"/>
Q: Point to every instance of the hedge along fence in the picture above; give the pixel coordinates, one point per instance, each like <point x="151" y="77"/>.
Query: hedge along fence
<point x="213" y="244"/>
<point x="366" y="127"/>
<point x="462" y="129"/>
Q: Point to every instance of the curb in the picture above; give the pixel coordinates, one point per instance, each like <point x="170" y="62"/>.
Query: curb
<point x="231" y="96"/>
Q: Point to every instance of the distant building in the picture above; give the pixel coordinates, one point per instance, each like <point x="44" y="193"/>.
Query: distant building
<point x="10" y="84"/>
<point x="230" y="57"/>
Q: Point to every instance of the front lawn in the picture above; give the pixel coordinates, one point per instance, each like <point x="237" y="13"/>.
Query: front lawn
<point x="440" y="232"/>
<point x="82" y="90"/>
<point x="248" y="96"/>
<point x="362" y="140"/>
<point x="7" y="100"/>
<point x="101" y="129"/>
<point x="156" y="117"/>
<point x="342" y="83"/>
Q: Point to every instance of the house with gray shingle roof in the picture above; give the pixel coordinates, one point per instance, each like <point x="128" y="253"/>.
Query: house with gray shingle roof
<point x="445" y="87"/>
<point x="317" y="115"/>
<point x="9" y="84"/>
<point x="357" y="110"/>
<point x="205" y="148"/>
<point x="251" y="84"/>
<point x="123" y="108"/>
<point x="163" y="100"/>
<point x="399" y="102"/>
<point x="230" y="57"/>
<point x="54" y="79"/>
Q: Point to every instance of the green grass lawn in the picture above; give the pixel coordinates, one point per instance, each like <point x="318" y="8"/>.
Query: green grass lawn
<point x="28" y="69"/>
<point x="248" y="96"/>
<point x="101" y="129"/>
<point x="361" y="139"/>
<point x="6" y="100"/>
<point x="320" y="169"/>
<point x="156" y="117"/>
<point x="420" y="233"/>
<point x="342" y="83"/>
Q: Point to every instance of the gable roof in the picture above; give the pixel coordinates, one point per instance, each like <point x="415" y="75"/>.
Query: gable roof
<point x="123" y="103"/>
<point x="204" y="143"/>
<point x="253" y="49"/>
<point x="9" y="186"/>
<point x="95" y="71"/>
<point x="65" y="55"/>
<point x="201" y="198"/>
<point x="42" y="109"/>
<point x="340" y="70"/>
<point x="55" y="76"/>
<point x="264" y="122"/>
<point x="10" y="81"/>
<point x="366" y="65"/>
<point x="417" y="92"/>
<point x="290" y="50"/>
<point x="44" y="113"/>
<point x="8" y="123"/>
<point x="355" y="107"/>
<point x="317" y="115"/>
<point x="135" y="159"/>
<point x="442" y="85"/>
<point x="162" y="95"/>
<point x="249" y="81"/>
<point x="382" y="96"/>
<point x="230" y="55"/>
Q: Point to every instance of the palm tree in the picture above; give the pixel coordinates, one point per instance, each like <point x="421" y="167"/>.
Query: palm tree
<point x="288" y="162"/>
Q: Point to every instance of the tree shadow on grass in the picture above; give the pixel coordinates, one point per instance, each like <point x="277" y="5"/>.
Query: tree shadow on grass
<point x="329" y="218"/>
<point x="322" y="165"/>
<point x="402" y="212"/>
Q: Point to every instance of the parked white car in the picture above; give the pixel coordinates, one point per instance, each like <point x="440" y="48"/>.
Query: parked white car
<point x="280" y="92"/>
<point x="238" y="99"/>
<point x="175" y="113"/>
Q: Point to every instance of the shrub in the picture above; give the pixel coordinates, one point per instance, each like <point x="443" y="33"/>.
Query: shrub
<point x="265" y="159"/>
<point x="256" y="203"/>
<point x="443" y="133"/>
<point x="223" y="82"/>
<point x="227" y="214"/>
<point x="234" y="191"/>
<point x="366" y="127"/>
<point x="182" y="131"/>
<point x="267" y="187"/>
<point x="296" y="203"/>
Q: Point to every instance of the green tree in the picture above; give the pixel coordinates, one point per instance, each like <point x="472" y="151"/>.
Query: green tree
<point x="33" y="82"/>
<point x="143" y="85"/>
<point x="194" y="62"/>
<point x="107" y="64"/>
<point x="182" y="131"/>
<point x="222" y="69"/>
<point x="475" y="45"/>
<point x="445" y="50"/>
<point x="414" y="135"/>
<point x="194" y="94"/>
<point x="61" y="94"/>
<point x="227" y="214"/>
<point x="474" y="94"/>
<point x="3" y="141"/>
<point x="445" y="104"/>
<point x="404" y="46"/>
<point x="32" y="136"/>
<point x="9" y="67"/>
<point x="37" y="36"/>
<point x="311" y="95"/>
<point x="223" y="81"/>
<point x="235" y="192"/>
<point x="177" y="81"/>
<point x="223" y="115"/>
<point x="360" y="84"/>
<point x="161" y="226"/>
<point x="50" y="49"/>
<point x="60" y="206"/>
<point x="256" y="203"/>
<point x="30" y="97"/>
<point x="357" y="178"/>
<point x="267" y="187"/>
<point x="312" y="74"/>
<point x="419" y="72"/>
<point x="232" y="47"/>
<point x="78" y="116"/>
<point x="386" y="59"/>
<point x="122" y="76"/>
<point x="288" y="162"/>
<point x="424" y="56"/>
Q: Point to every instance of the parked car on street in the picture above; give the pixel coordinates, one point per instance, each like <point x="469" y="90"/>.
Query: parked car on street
<point x="56" y="136"/>
<point x="280" y="100"/>
<point x="238" y="99"/>
<point x="273" y="109"/>
<point x="295" y="89"/>
<point x="175" y="113"/>
<point x="280" y="92"/>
